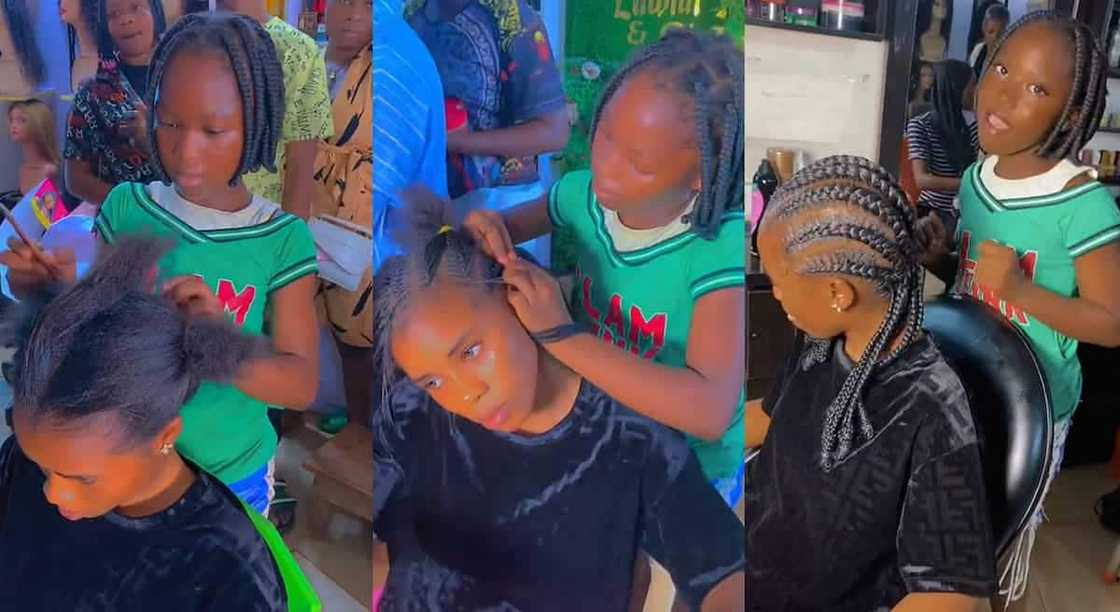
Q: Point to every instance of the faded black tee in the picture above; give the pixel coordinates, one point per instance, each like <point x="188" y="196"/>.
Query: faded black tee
<point x="202" y="553"/>
<point x="904" y="513"/>
<point x="478" y="520"/>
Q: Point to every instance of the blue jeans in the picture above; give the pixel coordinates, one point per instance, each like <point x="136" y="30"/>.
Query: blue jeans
<point x="256" y="489"/>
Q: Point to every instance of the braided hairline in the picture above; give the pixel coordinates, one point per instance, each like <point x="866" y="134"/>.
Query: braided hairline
<point x="887" y="260"/>
<point x="708" y="70"/>
<point x="252" y="59"/>
<point x="1088" y="92"/>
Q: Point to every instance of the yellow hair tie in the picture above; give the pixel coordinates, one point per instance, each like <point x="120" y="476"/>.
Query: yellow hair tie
<point x="445" y="229"/>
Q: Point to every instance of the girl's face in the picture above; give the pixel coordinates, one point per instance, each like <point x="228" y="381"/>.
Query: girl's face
<point x="1023" y="93"/>
<point x="466" y="348"/>
<point x="17" y="125"/>
<point x="927" y="76"/>
<point x="87" y="475"/>
<point x="805" y="298"/>
<point x="131" y="26"/>
<point x="350" y="23"/>
<point x="644" y="154"/>
<point x="200" y="128"/>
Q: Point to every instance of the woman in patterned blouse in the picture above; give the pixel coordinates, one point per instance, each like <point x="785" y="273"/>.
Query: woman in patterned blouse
<point x="106" y="140"/>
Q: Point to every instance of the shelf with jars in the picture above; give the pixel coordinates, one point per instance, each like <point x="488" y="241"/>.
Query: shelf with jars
<point x="862" y="19"/>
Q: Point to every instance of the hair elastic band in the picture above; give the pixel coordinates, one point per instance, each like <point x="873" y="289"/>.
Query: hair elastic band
<point x="445" y="230"/>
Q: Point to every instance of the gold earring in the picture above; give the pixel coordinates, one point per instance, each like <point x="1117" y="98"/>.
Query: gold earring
<point x="165" y="449"/>
<point x="837" y="308"/>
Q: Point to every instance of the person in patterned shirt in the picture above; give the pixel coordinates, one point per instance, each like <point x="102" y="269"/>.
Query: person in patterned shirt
<point x="106" y="130"/>
<point x="307" y="111"/>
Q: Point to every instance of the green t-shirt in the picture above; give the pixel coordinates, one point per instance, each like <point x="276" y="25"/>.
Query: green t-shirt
<point x="643" y="300"/>
<point x="225" y="432"/>
<point x="1049" y="234"/>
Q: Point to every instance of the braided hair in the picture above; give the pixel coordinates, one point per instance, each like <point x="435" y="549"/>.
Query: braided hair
<point x="857" y="208"/>
<point x="1088" y="95"/>
<point x="106" y="48"/>
<point x="251" y="56"/>
<point x="951" y="78"/>
<point x="708" y="70"/>
<point x="22" y="31"/>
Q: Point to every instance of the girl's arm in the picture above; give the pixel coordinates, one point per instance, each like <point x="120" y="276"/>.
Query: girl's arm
<point x="290" y="378"/>
<point x="757" y="423"/>
<point x="930" y="182"/>
<point x="730" y="595"/>
<point x="497" y="233"/>
<point x="937" y="602"/>
<point x="81" y="182"/>
<point x="299" y="177"/>
<point x="1092" y="316"/>
<point x="536" y="137"/>
<point x="698" y="399"/>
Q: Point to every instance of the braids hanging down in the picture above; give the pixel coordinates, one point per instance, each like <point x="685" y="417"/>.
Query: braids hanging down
<point x="708" y="70"/>
<point x="858" y="209"/>
<point x="1089" y="94"/>
<point x="106" y="48"/>
<point x="251" y="56"/>
<point x="22" y="30"/>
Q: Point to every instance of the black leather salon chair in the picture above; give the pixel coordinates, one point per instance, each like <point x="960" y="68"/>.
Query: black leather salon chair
<point x="1010" y="406"/>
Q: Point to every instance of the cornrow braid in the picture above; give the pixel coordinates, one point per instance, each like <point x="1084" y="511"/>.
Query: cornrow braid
<point x="106" y="48"/>
<point x="856" y="208"/>
<point x="446" y="256"/>
<point x="708" y="70"/>
<point x="1088" y="96"/>
<point x="252" y="58"/>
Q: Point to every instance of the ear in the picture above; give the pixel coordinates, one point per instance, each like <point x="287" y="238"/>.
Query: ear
<point x="842" y="294"/>
<point x="169" y="435"/>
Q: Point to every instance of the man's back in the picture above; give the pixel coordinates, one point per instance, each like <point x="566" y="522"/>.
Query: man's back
<point x="410" y="135"/>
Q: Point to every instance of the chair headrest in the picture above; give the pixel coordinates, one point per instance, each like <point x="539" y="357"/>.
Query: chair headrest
<point x="1010" y="404"/>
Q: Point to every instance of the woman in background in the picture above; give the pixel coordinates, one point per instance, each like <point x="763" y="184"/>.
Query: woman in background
<point x="106" y="133"/>
<point x="943" y="142"/>
<point x="995" y="23"/>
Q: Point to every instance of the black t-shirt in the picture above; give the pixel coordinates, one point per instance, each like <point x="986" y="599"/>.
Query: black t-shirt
<point x="906" y="512"/>
<point x="137" y="77"/>
<point x="478" y="520"/>
<point x="202" y="553"/>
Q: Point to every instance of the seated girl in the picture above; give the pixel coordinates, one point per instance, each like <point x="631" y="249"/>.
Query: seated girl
<point x="503" y="480"/>
<point x="868" y="493"/>
<point x="97" y="509"/>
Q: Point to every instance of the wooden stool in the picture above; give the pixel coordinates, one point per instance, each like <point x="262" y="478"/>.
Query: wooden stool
<point x="343" y="469"/>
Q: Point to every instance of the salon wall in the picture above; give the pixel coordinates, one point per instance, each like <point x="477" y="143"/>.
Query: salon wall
<point x="814" y="93"/>
<point x="51" y="38"/>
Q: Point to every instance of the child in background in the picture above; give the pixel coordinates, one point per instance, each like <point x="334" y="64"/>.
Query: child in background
<point x="31" y="126"/>
<point x="217" y="111"/>
<point x="868" y="431"/>
<point x="996" y="18"/>
<point x="95" y="504"/>
<point x="527" y="487"/>
<point x="307" y="111"/>
<point x="1039" y="237"/>
<point x="659" y="231"/>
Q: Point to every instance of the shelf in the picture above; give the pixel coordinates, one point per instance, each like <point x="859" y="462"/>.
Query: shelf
<point x="1114" y="73"/>
<point x="820" y="31"/>
<point x="1108" y="130"/>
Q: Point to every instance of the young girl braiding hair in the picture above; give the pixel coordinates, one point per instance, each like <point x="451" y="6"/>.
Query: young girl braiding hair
<point x="473" y="394"/>
<point x="1039" y="237"/>
<point x="217" y="96"/>
<point x="868" y="427"/>
<point x="657" y="226"/>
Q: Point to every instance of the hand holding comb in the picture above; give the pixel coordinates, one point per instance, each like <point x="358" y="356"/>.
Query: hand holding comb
<point x="36" y="252"/>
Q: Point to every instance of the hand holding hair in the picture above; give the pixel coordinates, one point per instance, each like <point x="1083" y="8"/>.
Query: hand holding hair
<point x="538" y="302"/>
<point x="488" y="228"/>
<point x="932" y="237"/>
<point x="193" y="297"/>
